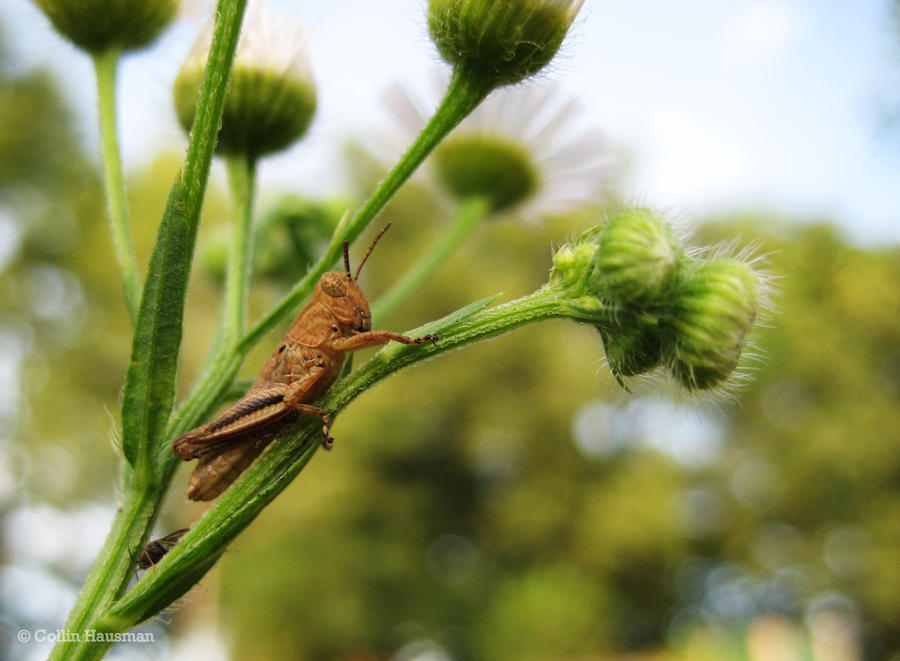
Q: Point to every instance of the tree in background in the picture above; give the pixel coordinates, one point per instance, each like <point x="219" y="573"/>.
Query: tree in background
<point x="491" y="535"/>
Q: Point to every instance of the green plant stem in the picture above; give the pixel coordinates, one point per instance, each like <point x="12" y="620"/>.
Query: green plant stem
<point x="242" y="181"/>
<point x="276" y="468"/>
<point x="105" y="68"/>
<point x="461" y="97"/>
<point x="111" y="572"/>
<point x="149" y="387"/>
<point x="468" y="214"/>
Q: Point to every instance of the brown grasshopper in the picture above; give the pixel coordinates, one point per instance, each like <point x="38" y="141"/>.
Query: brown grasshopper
<point x="156" y="549"/>
<point x="302" y="368"/>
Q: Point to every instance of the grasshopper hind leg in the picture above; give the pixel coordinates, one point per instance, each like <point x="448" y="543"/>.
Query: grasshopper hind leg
<point x="327" y="440"/>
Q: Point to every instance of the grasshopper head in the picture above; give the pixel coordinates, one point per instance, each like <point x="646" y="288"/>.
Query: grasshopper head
<point x="342" y="295"/>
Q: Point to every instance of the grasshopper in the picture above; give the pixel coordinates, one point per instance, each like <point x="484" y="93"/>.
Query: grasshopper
<point x="301" y="369"/>
<point x="156" y="549"/>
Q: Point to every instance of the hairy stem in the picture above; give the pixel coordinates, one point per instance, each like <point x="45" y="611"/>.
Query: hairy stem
<point x="241" y="179"/>
<point x="106" y="68"/>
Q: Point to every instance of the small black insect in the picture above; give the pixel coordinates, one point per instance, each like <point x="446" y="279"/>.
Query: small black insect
<point x="157" y="548"/>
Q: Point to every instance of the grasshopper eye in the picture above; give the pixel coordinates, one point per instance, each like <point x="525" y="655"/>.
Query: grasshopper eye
<point x="333" y="285"/>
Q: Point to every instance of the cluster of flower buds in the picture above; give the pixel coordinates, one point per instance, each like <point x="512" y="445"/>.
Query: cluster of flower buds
<point x="657" y="306"/>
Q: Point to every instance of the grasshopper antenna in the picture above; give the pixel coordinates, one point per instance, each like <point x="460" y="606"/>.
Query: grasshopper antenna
<point x="369" y="252"/>
<point x="347" y="257"/>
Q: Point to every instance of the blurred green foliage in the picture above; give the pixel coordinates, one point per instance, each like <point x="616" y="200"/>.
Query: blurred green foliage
<point x="462" y="512"/>
<point x="61" y="299"/>
<point x="456" y="507"/>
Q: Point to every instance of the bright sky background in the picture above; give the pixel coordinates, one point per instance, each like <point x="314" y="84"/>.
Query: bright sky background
<point x="779" y="105"/>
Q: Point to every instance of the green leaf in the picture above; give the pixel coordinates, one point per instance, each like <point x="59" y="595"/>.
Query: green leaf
<point x="150" y="383"/>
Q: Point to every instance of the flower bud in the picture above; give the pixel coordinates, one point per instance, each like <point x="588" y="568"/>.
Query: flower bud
<point x="289" y="237"/>
<point x="488" y="166"/>
<point x="500" y="42"/>
<point x="99" y="25"/>
<point x="636" y="258"/>
<point x="633" y="350"/>
<point x="715" y="304"/>
<point x="271" y="98"/>
<point x="572" y="262"/>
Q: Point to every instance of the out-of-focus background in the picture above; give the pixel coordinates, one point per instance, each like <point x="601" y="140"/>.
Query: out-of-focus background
<point x="509" y="501"/>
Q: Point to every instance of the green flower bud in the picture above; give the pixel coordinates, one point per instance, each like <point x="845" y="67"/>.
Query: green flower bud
<point x="572" y="262"/>
<point x="99" y="25"/>
<point x="636" y="258"/>
<point x="488" y="166"/>
<point x="290" y="236"/>
<point x="500" y="42"/>
<point x="633" y="350"/>
<point x="714" y="307"/>
<point x="271" y="98"/>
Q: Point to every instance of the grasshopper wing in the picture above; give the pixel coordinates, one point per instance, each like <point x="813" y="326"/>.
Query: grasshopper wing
<point x="249" y="416"/>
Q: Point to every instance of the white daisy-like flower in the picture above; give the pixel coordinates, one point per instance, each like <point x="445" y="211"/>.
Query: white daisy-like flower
<point x="271" y="98"/>
<point x="273" y="43"/>
<point x="528" y="150"/>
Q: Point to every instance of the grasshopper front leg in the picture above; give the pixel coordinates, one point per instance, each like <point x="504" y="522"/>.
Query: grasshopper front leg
<point x="376" y="338"/>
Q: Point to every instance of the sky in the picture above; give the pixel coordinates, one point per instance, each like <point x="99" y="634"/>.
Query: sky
<point x="781" y="106"/>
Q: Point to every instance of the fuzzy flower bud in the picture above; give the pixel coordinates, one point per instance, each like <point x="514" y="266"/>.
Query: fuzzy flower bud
<point x="572" y="262"/>
<point x="715" y="305"/>
<point x="637" y="257"/>
<point x="632" y="349"/>
<point x="652" y="305"/>
<point x="500" y="42"/>
<point x="487" y="166"/>
<point x="99" y="25"/>
<point x="271" y="98"/>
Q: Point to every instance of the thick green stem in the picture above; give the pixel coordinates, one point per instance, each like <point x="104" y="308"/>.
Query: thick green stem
<point x="241" y="179"/>
<point x="106" y="67"/>
<point x="223" y="358"/>
<point x="111" y="572"/>
<point x="468" y="214"/>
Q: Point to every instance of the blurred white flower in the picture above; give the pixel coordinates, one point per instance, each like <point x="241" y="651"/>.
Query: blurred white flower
<point x="272" y="96"/>
<point x="538" y="130"/>
<point x="274" y="43"/>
